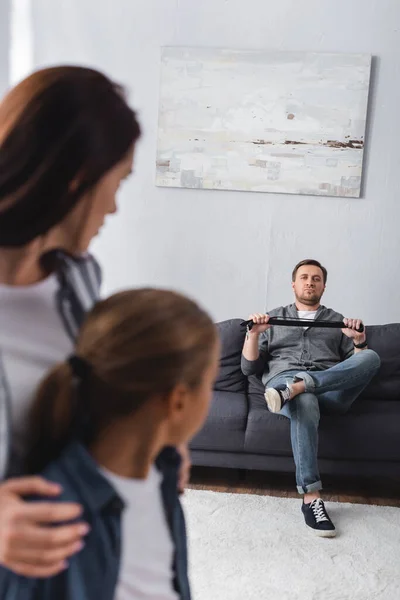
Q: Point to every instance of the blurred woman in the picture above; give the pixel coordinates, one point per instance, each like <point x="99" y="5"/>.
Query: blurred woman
<point x="67" y="141"/>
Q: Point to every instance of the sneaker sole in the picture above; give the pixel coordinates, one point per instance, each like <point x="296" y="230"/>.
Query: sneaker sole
<point x="273" y="400"/>
<point x="322" y="533"/>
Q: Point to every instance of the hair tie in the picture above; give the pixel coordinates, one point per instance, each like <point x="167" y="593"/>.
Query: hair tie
<point x="80" y="367"/>
<point x="81" y="421"/>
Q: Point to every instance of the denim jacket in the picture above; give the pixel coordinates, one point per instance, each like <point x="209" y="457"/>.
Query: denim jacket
<point x="92" y="574"/>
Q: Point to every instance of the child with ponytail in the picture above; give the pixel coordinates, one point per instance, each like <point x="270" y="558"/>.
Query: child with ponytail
<point x="106" y="423"/>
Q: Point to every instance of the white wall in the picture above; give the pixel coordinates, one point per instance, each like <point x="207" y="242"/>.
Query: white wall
<point x="235" y="251"/>
<point x="4" y="44"/>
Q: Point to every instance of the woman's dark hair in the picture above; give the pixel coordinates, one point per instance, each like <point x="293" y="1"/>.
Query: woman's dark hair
<point x="310" y="261"/>
<point x="61" y="130"/>
<point x="134" y="346"/>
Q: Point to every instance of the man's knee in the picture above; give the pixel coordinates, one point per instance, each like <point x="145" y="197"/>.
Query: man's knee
<point x="307" y="406"/>
<point x="372" y="358"/>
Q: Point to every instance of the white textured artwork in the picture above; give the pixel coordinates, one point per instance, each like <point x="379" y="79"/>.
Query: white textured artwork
<point x="262" y="121"/>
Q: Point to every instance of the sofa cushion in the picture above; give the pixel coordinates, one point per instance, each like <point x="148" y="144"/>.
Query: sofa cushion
<point x="385" y="340"/>
<point x="230" y="377"/>
<point x="266" y="433"/>
<point x="255" y="386"/>
<point x="226" y="423"/>
<point x="369" y="431"/>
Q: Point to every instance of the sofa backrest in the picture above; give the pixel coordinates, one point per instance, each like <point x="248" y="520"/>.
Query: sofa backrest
<point x="384" y="339"/>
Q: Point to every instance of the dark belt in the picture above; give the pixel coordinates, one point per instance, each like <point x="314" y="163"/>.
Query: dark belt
<point x="293" y="322"/>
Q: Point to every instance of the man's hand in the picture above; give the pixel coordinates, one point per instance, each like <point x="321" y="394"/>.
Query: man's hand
<point x="350" y="330"/>
<point x="260" y="323"/>
<point x="29" y="546"/>
<point x="186" y="465"/>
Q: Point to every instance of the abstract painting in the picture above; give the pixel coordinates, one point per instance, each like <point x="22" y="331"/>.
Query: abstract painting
<point x="282" y="122"/>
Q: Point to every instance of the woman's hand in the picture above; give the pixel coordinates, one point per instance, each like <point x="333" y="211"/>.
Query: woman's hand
<point x="29" y="545"/>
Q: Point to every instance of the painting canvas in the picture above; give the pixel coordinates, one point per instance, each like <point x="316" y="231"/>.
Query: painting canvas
<point x="282" y="122"/>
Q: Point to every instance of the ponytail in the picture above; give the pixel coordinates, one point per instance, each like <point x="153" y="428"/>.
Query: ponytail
<point x="52" y="418"/>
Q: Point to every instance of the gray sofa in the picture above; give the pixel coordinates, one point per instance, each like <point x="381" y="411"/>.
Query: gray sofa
<point x="240" y="433"/>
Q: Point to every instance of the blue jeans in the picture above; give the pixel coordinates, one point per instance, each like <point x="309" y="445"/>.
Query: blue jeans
<point x="333" y="391"/>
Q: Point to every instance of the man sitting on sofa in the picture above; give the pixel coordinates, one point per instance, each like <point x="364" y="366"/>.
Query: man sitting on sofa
<point x="308" y="369"/>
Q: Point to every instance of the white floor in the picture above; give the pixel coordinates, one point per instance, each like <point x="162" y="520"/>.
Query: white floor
<point x="247" y="547"/>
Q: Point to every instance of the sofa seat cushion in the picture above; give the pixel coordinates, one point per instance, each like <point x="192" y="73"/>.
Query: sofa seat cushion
<point x="266" y="433"/>
<point x="369" y="431"/>
<point x="226" y="424"/>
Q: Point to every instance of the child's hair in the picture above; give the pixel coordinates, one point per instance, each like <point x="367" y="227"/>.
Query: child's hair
<point x="133" y="346"/>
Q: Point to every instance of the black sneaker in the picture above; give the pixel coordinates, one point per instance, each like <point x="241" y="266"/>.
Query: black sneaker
<point x="317" y="518"/>
<point x="277" y="397"/>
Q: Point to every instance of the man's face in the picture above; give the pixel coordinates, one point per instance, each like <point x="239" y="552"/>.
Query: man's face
<point x="309" y="285"/>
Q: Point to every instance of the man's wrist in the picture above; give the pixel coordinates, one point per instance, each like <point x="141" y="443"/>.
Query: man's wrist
<point x="251" y="334"/>
<point x="360" y="344"/>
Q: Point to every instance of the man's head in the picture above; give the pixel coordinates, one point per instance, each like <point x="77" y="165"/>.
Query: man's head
<point x="308" y="282"/>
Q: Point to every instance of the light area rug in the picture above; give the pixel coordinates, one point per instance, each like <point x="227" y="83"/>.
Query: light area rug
<point x="247" y="547"/>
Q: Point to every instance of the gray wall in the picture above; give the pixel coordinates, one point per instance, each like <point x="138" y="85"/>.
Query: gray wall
<point x="235" y="251"/>
<point x="4" y="44"/>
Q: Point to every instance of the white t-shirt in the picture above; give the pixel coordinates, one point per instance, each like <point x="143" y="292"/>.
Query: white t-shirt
<point x="147" y="548"/>
<point x="32" y="341"/>
<point x="307" y="314"/>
